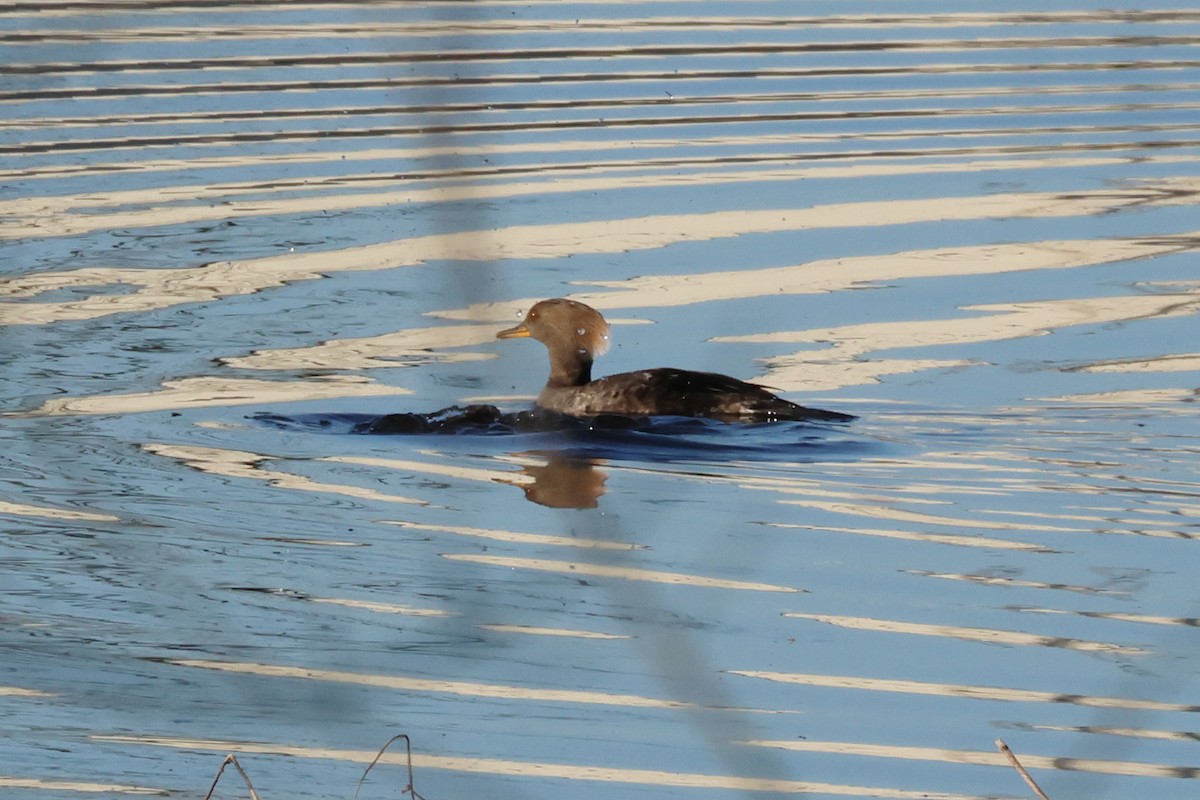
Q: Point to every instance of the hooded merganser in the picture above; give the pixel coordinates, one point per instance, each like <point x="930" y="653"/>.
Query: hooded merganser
<point x="575" y="334"/>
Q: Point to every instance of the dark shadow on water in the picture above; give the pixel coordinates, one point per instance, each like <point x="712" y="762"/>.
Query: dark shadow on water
<point x="572" y="450"/>
<point x="609" y="436"/>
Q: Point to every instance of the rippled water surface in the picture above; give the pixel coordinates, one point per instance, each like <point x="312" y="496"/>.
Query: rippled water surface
<point x="231" y="232"/>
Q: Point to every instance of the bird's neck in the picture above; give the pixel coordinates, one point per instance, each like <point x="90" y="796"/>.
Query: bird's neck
<point x="571" y="370"/>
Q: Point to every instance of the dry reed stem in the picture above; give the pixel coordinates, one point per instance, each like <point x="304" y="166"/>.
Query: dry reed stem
<point x="1012" y="759"/>
<point x="408" y="747"/>
<point x="232" y="759"/>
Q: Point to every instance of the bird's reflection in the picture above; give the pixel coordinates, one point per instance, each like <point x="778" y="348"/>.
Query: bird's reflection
<point x="563" y="481"/>
<point x="571" y="477"/>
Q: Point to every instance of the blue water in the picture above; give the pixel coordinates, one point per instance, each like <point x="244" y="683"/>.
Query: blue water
<point x="231" y="234"/>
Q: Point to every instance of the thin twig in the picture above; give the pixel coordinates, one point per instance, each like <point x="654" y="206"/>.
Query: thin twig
<point x="1012" y="759"/>
<point x="232" y="759"/>
<point x="407" y="746"/>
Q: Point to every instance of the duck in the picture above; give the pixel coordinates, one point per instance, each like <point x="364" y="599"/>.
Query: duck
<point x="575" y="334"/>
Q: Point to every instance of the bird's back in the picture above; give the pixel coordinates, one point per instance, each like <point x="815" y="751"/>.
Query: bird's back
<point x="678" y="392"/>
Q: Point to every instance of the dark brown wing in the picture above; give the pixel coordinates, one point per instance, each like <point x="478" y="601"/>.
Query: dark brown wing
<point x="686" y="393"/>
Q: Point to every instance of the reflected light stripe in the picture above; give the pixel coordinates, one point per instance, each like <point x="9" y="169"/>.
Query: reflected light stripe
<point x="212" y="120"/>
<point x="963" y="691"/>
<point x="575" y="568"/>
<point x="16" y="691"/>
<point x="7" y="782"/>
<point x="639" y="116"/>
<point x="900" y="515"/>
<point x="161" y="288"/>
<point x="432" y="151"/>
<point x="810" y="488"/>
<point x="313" y="542"/>
<point x="1013" y="320"/>
<point x="830" y="275"/>
<point x="985" y="758"/>
<point x="614" y="53"/>
<point x="53" y="218"/>
<point x="544" y="770"/>
<point x="567" y="632"/>
<point x="938" y="461"/>
<point x="423" y="344"/>
<point x="894" y="165"/>
<point x="24" y="510"/>
<point x="238" y="464"/>
<point x="986" y="635"/>
<point x="430" y="468"/>
<point x="847" y="490"/>
<point x="625" y="25"/>
<point x="997" y="580"/>
<point x="1134" y="398"/>
<point x="382" y="608"/>
<point x="1107" y="522"/>
<point x="519" y="538"/>
<point x="208" y="392"/>
<point x="1177" y="362"/>
<point x="1115" y="616"/>
<point x="932" y="538"/>
<point x="1135" y="733"/>
<point x="462" y="688"/>
<point x="838" y="366"/>
<point x="1008" y="321"/>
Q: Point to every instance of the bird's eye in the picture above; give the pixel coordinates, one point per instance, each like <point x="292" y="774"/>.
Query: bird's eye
<point x="532" y="315"/>
<point x="581" y="331"/>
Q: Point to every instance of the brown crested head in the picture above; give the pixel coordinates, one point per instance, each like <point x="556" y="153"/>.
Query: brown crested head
<point x="569" y="329"/>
